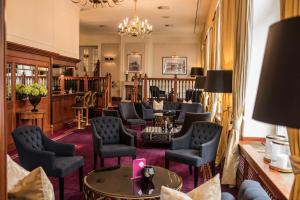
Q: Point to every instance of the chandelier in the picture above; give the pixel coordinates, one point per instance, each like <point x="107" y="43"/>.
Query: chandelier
<point x="95" y="3"/>
<point x="134" y="27"/>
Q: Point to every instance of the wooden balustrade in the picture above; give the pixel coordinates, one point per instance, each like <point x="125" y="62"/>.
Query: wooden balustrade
<point x="173" y="89"/>
<point x="76" y="84"/>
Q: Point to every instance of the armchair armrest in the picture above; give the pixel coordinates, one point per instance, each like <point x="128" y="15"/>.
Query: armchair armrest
<point x="208" y="150"/>
<point x="148" y="113"/>
<point x="59" y="149"/>
<point x="182" y="142"/>
<point x="97" y="140"/>
<point x="126" y="138"/>
<point x="35" y="158"/>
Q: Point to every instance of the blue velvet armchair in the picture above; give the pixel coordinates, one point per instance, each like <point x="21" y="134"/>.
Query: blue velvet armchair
<point x="57" y="159"/>
<point x="111" y="139"/>
<point x="196" y="147"/>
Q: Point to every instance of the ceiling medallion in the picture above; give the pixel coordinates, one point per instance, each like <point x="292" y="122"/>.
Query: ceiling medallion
<point x="134" y="27"/>
<point x="96" y="3"/>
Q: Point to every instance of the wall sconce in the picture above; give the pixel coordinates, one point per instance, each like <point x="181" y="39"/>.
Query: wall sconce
<point x="108" y="59"/>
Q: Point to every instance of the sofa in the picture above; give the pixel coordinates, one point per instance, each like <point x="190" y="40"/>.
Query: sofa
<point x="249" y="190"/>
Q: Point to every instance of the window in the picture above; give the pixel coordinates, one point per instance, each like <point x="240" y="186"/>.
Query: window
<point x="265" y="13"/>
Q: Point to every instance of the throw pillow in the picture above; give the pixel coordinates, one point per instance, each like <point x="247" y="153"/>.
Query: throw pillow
<point x="189" y="101"/>
<point x="14" y="172"/>
<point x="210" y="190"/>
<point x="170" y="194"/>
<point x="158" y="105"/>
<point x="35" y="185"/>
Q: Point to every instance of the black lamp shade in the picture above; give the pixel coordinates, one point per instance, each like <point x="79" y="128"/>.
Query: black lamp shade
<point x="278" y="94"/>
<point x="200" y="82"/>
<point x="218" y="81"/>
<point x="197" y="71"/>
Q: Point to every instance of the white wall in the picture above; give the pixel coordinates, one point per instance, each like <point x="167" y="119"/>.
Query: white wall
<point x="51" y="25"/>
<point x="265" y="13"/>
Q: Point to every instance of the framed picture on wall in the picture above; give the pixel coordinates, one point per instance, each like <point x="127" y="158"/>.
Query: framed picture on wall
<point x="174" y="65"/>
<point x="134" y="62"/>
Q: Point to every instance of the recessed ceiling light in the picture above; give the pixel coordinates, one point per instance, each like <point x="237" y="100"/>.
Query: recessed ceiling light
<point x="169" y="25"/>
<point x="102" y="26"/>
<point x="166" y="17"/>
<point x="163" y="7"/>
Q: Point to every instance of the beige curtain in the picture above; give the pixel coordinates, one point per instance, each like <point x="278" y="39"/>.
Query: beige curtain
<point x="291" y="8"/>
<point x="242" y="33"/>
<point x="227" y="15"/>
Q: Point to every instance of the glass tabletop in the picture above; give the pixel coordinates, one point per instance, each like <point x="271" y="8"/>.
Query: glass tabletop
<point x="118" y="183"/>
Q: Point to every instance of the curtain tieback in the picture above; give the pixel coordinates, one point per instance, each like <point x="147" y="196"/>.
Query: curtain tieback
<point x="295" y="161"/>
<point x="237" y="124"/>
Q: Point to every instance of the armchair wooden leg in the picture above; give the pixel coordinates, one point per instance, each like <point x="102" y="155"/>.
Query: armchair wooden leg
<point x="196" y="169"/>
<point x="95" y="160"/>
<point x="212" y="168"/>
<point x="191" y="169"/>
<point x="101" y="162"/>
<point x="61" y="188"/>
<point x="80" y="178"/>
<point x="119" y="161"/>
<point x="167" y="163"/>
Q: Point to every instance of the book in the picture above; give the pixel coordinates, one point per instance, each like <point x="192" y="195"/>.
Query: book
<point x="137" y="167"/>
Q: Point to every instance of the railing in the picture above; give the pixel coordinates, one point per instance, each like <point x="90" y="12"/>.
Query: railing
<point x="74" y="84"/>
<point x="174" y="89"/>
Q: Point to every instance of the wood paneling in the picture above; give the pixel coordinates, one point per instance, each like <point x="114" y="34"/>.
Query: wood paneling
<point x="62" y="110"/>
<point x="3" y="193"/>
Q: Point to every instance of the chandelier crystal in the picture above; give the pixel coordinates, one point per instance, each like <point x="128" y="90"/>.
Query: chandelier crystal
<point x="96" y="3"/>
<point x="134" y="27"/>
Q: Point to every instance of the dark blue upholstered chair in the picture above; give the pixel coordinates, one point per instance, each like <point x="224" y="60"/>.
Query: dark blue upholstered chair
<point x="191" y="117"/>
<point x="57" y="159"/>
<point x="129" y="115"/>
<point x="196" y="147"/>
<point x="188" y="107"/>
<point x="145" y="112"/>
<point x="111" y="139"/>
<point x="249" y="190"/>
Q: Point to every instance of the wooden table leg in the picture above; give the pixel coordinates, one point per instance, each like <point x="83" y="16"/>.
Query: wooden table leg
<point x="78" y="119"/>
<point x="87" y="117"/>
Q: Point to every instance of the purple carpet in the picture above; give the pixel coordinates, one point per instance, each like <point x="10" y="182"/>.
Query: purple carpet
<point x="154" y="156"/>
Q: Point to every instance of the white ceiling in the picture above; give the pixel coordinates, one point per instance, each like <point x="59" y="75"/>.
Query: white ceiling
<point x="182" y="16"/>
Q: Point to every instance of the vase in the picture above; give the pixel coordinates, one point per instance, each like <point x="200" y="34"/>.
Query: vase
<point x="148" y="173"/>
<point x="34" y="100"/>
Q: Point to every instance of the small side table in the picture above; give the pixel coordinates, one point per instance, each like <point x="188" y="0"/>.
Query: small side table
<point x="33" y="116"/>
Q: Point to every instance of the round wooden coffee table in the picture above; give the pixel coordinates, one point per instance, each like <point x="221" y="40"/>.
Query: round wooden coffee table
<point x="117" y="184"/>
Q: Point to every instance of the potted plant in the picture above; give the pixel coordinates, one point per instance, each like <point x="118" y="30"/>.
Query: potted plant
<point x="22" y="91"/>
<point x="34" y="91"/>
<point x="37" y="91"/>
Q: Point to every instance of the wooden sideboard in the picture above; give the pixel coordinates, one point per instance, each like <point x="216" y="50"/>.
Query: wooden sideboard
<point x="251" y="166"/>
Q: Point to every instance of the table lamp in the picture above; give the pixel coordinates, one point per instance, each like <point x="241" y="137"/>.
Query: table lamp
<point x="278" y="93"/>
<point x="278" y="97"/>
<point x="197" y="71"/>
<point x="200" y="82"/>
<point x="219" y="81"/>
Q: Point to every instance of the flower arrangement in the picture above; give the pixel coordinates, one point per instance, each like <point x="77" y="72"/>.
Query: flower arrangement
<point x="34" y="89"/>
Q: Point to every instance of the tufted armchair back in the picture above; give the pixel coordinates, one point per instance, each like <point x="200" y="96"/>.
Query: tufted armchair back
<point x="191" y="117"/>
<point x="28" y="137"/>
<point x="128" y="111"/>
<point x="203" y="132"/>
<point x="189" y="107"/>
<point x="108" y="128"/>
